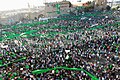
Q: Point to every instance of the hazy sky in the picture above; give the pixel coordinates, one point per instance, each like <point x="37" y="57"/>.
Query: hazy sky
<point x="17" y="4"/>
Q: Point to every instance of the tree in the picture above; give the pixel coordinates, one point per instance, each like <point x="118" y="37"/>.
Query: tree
<point x="89" y="2"/>
<point x="70" y="5"/>
<point x="97" y="5"/>
<point x="118" y="7"/>
<point x="40" y="16"/>
<point x="113" y="9"/>
<point x="108" y="7"/>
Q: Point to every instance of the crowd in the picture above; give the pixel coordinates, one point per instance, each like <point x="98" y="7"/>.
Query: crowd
<point x="91" y="43"/>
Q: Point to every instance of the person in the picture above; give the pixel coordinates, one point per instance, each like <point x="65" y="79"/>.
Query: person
<point x="82" y="46"/>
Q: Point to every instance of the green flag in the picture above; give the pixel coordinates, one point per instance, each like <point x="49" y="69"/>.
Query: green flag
<point x="27" y="67"/>
<point x="0" y="62"/>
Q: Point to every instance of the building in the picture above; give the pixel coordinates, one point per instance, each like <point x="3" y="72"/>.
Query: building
<point x="115" y="3"/>
<point x="13" y="16"/>
<point x="54" y="9"/>
<point x="100" y="4"/>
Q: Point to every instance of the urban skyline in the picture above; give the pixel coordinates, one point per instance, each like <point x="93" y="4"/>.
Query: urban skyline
<point x="19" y="4"/>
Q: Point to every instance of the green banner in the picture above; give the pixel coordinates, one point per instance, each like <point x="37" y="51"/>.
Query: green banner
<point x="66" y="68"/>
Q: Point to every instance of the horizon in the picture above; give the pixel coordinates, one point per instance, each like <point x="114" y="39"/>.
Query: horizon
<point x="6" y="5"/>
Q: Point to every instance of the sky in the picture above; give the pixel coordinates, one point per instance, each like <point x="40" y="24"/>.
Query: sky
<point x="18" y="4"/>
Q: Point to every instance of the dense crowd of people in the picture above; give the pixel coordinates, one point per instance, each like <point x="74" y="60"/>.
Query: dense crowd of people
<point x="90" y="42"/>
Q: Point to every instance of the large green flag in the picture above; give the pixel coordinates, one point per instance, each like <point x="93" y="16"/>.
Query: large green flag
<point x="58" y="8"/>
<point x="66" y="68"/>
<point x="0" y="62"/>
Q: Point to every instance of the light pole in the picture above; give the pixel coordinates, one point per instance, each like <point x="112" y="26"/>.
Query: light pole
<point x="45" y="9"/>
<point x="29" y="11"/>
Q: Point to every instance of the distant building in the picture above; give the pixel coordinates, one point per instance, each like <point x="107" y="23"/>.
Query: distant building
<point x="116" y="4"/>
<point x="100" y="4"/>
<point x="13" y="16"/>
<point x="56" y="8"/>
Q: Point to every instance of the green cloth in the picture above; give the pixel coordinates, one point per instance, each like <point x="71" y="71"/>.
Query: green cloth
<point x="58" y="8"/>
<point x="0" y="54"/>
<point x="27" y="67"/>
<point x="110" y="66"/>
<point x="19" y="79"/>
<point x="57" y="71"/>
<point x="1" y="79"/>
<point x="14" y="61"/>
<point x="66" y="68"/>
<point x="0" y="62"/>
